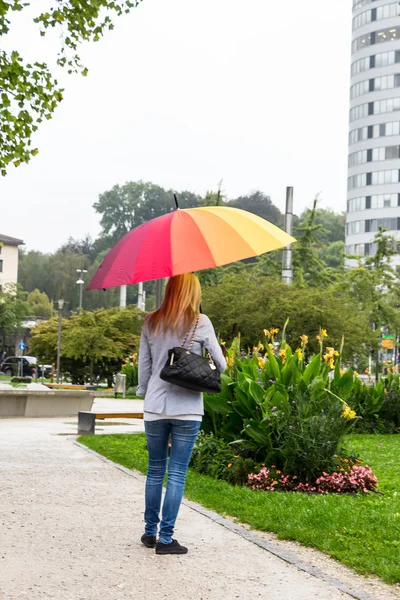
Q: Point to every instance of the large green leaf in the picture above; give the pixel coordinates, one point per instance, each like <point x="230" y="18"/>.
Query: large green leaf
<point x="345" y="384"/>
<point x="245" y="404"/>
<point x="273" y="366"/>
<point x="288" y="372"/>
<point x="257" y="392"/>
<point x="217" y="404"/>
<point x="227" y="386"/>
<point x="258" y="431"/>
<point x="312" y="369"/>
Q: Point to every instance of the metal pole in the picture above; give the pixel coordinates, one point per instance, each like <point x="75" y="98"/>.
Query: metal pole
<point x="59" y="343"/>
<point x="287" y="261"/>
<point x="122" y="296"/>
<point x="140" y="296"/>
<point x="80" y="297"/>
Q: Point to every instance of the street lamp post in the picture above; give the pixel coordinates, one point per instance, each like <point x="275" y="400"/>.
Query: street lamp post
<point x="60" y="309"/>
<point x="80" y="282"/>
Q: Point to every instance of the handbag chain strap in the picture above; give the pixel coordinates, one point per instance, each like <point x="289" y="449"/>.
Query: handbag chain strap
<point x="193" y="335"/>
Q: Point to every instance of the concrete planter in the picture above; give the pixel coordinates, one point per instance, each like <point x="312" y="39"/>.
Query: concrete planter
<point x="57" y="403"/>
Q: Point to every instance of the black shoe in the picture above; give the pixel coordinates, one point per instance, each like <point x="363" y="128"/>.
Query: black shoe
<point x="173" y="548"/>
<point x="149" y="541"/>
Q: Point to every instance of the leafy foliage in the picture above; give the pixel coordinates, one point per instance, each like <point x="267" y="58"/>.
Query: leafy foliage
<point x="286" y="412"/>
<point x="28" y="91"/>
<point x="13" y="310"/>
<point x="93" y="345"/>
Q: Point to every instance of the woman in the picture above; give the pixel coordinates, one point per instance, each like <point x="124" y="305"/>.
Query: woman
<point x="171" y="412"/>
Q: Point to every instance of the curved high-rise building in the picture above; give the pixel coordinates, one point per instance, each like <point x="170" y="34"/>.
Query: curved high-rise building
<point x="373" y="196"/>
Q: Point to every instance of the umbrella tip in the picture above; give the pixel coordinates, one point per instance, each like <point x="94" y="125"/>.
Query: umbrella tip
<point x="176" y="199"/>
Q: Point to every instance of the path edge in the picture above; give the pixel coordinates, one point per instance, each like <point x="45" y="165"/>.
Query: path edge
<point x="251" y="537"/>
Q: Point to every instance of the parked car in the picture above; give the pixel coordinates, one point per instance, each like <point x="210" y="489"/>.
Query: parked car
<point x="12" y="367"/>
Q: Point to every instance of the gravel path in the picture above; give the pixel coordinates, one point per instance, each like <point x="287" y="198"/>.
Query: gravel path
<point x="70" y="525"/>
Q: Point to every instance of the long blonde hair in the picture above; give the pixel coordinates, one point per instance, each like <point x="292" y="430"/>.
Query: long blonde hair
<point x="180" y="307"/>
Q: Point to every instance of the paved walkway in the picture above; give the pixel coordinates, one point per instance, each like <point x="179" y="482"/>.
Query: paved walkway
<point x="70" y="526"/>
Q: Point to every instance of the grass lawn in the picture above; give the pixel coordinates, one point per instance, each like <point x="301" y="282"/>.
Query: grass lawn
<point x="363" y="532"/>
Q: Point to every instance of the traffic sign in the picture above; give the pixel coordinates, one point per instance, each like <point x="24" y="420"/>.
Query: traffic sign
<point x="22" y="346"/>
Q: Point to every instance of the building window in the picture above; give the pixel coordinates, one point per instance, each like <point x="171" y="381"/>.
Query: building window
<point x="374" y="155"/>
<point x="374" y="108"/>
<point x="356" y="204"/>
<point x="375" y="201"/>
<point x="355" y="227"/>
<point x="1" y="266"/>
<point x="374" y="131"/>
<point x="357" y="181"/>
<point x="359" y="112"/>
<point x="388" y="34"/>
<point x="359" y="66"/>
<point x="387" y="11"/>
<point x="360" y="3"/>
<point x="373" y="178"/>
<point x="386" y="106"/>
<point x="378" y="84"/>
<point x="390" y="224"/>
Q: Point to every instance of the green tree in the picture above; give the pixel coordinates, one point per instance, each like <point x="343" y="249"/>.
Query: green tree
<point x="29" y="93"/>
<point x="39" y="305"/>
<point x="332" y="224"/>
<point x="13" y="311"/>
<point x="125" y="207"/>
<point x="309" y="268"/>
<point x="259" y="204"/>
<point x="374" y="287"/>
<point x="93" y="344"/>
<point x="248" y="304"/>
<point x="333" y="255"/>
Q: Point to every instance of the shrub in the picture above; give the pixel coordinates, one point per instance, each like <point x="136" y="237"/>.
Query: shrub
<point x="131" y="370"/>
<point x="390" y="410"/>
<point x="215" y="457"/>
<point x="287" y="412"/>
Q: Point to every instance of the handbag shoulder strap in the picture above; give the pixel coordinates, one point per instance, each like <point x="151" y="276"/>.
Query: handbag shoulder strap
<point x="193" y="335"/>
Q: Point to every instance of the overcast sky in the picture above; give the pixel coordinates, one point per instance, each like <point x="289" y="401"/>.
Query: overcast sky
<point x="184" y="94"/>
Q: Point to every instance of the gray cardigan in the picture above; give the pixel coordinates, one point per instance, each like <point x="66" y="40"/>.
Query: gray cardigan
<point x="160" y="396"/>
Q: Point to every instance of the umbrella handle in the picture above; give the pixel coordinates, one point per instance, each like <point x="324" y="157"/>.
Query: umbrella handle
<point x="176" y="200"/>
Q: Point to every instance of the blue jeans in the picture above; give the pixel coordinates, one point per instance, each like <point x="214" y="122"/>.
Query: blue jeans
<point x="183" y="435"/>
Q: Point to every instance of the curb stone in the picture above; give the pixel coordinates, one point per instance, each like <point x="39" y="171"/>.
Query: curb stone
<point x="284" y="555"/>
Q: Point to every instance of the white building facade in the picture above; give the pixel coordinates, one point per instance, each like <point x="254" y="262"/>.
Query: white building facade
<point x="373" y="196"/>
<point x="8" y="260"/>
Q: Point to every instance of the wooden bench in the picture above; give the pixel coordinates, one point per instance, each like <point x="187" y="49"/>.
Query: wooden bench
<point x="87" y="420"/>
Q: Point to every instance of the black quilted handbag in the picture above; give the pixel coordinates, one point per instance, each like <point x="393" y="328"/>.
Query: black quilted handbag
<point x="191" y="371"/>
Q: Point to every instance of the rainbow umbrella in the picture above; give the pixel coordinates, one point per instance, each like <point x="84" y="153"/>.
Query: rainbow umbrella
<point x="187" y="240"/>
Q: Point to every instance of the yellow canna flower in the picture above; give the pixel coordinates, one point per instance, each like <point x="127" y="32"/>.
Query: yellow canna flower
<point x="304" y="340"/>
<point x="299" y="352"/>
<point x="271" y="347"/>
<point x="342" y="372"/>
<point x="260" y="346"/>
<point x="318" y="338"/>
<point x="261" y="363"/>
<point x="255" y="349"/>
<point x="267" y="333"/>
<point x="355" y="374"/>
<point x="324" y="333"/>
